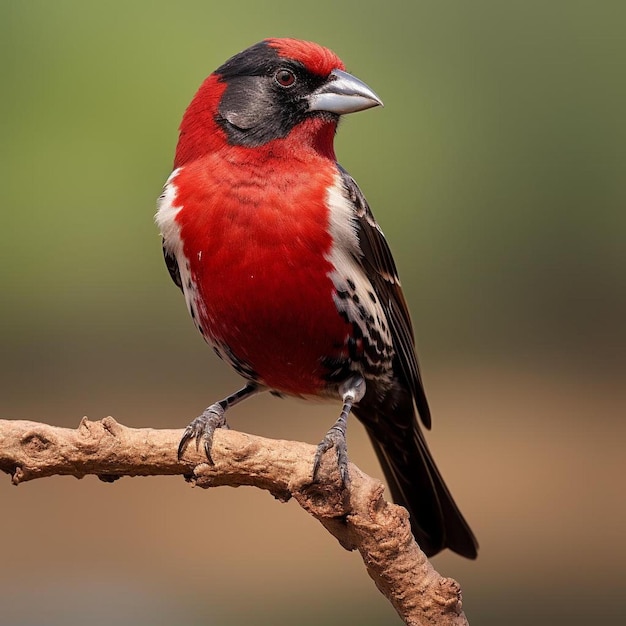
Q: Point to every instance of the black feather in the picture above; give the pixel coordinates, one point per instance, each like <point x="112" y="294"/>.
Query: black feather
<point x="172" y="268"/>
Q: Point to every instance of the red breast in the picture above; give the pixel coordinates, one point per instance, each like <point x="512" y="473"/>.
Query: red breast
<point x="256" y="236"/>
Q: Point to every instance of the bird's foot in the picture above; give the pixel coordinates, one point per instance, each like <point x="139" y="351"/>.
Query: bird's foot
<point x="334" y="438"/>
<point x="352" y="391"/>
<point x="203" y="428"/>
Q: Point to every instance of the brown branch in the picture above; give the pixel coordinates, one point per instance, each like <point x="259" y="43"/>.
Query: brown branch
<point x="357" y="516"/>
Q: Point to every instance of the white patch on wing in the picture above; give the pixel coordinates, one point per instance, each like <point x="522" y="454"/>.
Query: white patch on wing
<point x="342" y="224"/>
<point x="165" y="217"/>
<point x="345" y="249"/>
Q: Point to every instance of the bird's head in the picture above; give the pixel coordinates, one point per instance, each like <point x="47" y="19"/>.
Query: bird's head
<point x="276" y="90"/>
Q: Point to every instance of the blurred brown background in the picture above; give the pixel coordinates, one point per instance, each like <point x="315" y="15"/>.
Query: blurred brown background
<point x="496" y="170"/>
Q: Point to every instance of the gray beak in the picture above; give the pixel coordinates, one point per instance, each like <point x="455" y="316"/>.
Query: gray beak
<point x="343" y="93"/>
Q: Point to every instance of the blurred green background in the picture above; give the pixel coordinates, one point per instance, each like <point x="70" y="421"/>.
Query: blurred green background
<point x="496" y="169"/>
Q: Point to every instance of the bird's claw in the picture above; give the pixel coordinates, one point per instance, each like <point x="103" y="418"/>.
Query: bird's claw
<point x="203" y="428"/>
<point x="335" y="438"/>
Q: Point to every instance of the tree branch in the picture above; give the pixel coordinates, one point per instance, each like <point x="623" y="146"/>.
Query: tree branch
<point x="357" y="516"/>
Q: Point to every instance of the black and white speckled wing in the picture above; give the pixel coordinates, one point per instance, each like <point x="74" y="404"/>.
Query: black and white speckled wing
<point x="382" y="272"/>
<point x="413" y="477"/>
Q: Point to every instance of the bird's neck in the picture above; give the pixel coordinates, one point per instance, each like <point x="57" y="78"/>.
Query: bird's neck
<point x="310" y="141"/>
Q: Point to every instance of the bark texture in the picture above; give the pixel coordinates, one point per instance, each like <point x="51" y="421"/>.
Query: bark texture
<point x="358" y="516"/>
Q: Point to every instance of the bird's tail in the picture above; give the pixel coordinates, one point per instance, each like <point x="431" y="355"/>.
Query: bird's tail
<point x="415" y="483"/>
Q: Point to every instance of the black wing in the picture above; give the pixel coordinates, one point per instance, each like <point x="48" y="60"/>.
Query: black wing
<point x="382" y="272"/>
<point x="172" y="267"/>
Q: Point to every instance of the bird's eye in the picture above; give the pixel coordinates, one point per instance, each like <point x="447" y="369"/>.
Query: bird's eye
<point x="284" y="77"/>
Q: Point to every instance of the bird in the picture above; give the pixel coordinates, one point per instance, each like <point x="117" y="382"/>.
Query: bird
<point x="288" y="276"/>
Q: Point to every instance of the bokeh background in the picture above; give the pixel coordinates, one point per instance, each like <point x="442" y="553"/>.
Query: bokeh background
<point x="496" y="169"/>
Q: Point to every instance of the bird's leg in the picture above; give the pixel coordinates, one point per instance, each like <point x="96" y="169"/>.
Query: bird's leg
<point x="352" y="391"/>
<point x="213" y="417"/>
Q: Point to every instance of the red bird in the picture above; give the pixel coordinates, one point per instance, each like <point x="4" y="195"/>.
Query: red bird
<point x="286" y="273"/>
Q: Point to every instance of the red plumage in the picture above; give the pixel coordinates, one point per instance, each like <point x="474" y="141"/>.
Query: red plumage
<point x="317" y="59"/>
<point x="277" y="215"/>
